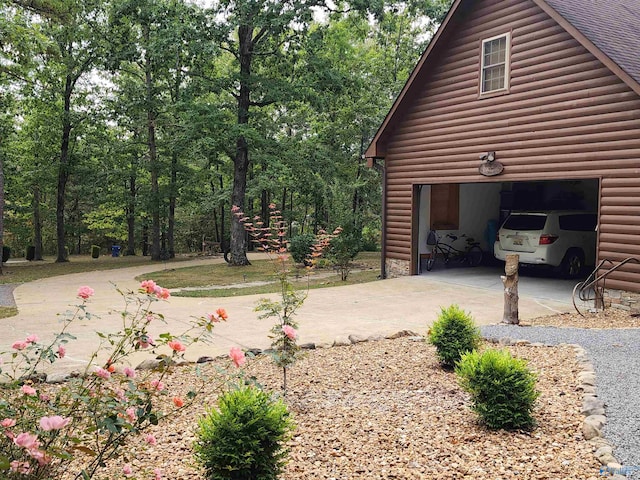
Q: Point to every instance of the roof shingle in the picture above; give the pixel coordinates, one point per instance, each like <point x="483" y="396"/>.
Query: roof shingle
<point x="613" y="26"/>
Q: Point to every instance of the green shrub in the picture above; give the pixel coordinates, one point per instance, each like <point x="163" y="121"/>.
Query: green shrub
<point x="502" y="388"/>
<point x="95" y="251"/>
<point x="343" y="249"/>
<point x="453" y="334"/>
<point x="300" y="247"/>
<point x="244" y="438"/>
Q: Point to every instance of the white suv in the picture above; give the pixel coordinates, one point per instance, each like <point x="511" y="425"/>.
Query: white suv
<point x="564" y="239"/>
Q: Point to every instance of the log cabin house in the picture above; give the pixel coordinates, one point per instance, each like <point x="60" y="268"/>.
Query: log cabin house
<point x="551" y="89"/>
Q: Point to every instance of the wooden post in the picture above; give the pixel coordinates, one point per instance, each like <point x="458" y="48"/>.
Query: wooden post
<point x="510" y="282"/>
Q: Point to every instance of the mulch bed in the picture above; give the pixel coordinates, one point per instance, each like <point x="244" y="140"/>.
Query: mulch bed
<point x="386" y="410"/>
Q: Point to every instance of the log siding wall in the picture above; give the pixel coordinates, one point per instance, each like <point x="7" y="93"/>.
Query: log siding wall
<point x="566" y="116"/>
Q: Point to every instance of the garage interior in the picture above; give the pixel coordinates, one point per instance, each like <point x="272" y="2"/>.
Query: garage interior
<point x="478" y="209"/>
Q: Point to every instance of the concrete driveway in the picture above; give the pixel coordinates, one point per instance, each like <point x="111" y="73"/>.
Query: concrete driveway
<point x="381" y="307"/>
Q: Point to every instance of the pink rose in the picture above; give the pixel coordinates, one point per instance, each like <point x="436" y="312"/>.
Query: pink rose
<point x="22" y="468"/>
<point x="32" y="338"/>
<point x="127" y="470"/>
<point x="27" y="441"/>
<point x="219" y="315"/>
<point x="290" y="332"/>
<point x="44" y="397"/>
<point x="178" y="402"/>
<point x="148" y="286"/>
<point x="150" y="439"/>
<point x="237" y="355"/>
<point x="176" y="346"/>
<point x="129" y="372"/>
<point x="56" y="422"/>
<point x="102" y="373"/>
<point x="157" y="474"/>
<point x="19" y="345"/>
<point x="28" y="390"/>
<point x="8" y="423"/>
<point x="131" y="414"/>
<point x="85" y="292"/>
<point x="61" y="351"/>
<point x="162" y="293"/>
<point x="158" y="385"/>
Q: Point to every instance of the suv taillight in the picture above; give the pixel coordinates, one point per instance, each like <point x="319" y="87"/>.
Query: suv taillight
<point x="547" y="239"/>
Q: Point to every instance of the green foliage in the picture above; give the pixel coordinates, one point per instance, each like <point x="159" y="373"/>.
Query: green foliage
<point x="453" y="334"/>
<point x="300" y="247"/>
<point x="343" y="249"/>
<point x="244" y="439"/>
<point x="371" y="235"/>
<point x="502" y="388"/>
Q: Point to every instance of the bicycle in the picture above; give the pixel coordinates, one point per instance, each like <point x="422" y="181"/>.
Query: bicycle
<point x="471" y="254"/>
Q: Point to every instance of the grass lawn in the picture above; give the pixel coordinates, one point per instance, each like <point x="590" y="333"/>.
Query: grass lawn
<point x="22" y="272"/>
<point x="222" y="280"/>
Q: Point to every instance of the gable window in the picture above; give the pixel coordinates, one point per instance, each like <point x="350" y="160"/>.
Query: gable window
<point x="494" y="75"/>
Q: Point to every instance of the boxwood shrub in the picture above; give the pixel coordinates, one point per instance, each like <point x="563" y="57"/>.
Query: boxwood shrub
<point x="453" y="333"/>
<point x="245" y="437"/>
<point x="502" y="388"/>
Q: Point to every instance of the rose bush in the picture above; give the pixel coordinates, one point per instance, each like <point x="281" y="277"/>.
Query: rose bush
<point x="76" y="427"/>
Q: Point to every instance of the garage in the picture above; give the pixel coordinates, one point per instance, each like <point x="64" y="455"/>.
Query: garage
<point x="530" y="106"/>
<point x="477" y="210"/>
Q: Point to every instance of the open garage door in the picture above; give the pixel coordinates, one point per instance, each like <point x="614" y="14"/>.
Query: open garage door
<point x="478" y="210"/>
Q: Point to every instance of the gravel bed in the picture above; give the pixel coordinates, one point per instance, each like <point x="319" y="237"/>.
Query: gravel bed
<point x="615" y="354"/>
<point x="386" y="410"/>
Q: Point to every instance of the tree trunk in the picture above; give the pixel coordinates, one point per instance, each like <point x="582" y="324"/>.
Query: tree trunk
<point x="131" y="217"/>
<point x="510" y="281"/>
<point x="241" y="162"/>
<point x="153" y="156"/>
<point x="63" y="170"/>
<point x="37" y="224"/>
<point x="145" y="239"/>
<point x="173" y="188"/>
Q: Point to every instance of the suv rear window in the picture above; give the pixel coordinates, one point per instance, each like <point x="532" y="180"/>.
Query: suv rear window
<point x="585" y="222"/>
<point x="525" y="222"/>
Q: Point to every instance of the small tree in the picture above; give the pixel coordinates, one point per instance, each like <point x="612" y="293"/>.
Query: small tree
<point x="271" y="240"/>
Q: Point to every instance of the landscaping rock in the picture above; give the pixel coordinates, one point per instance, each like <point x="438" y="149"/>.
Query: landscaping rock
<point x="149" y="364"/>
<point x="204" y="359"/>
<point x="308" y="346"/>
<point x="590" y="430"/>
<point x="592" y="406"/>
<point x="58" y="377"/>
<point x="341" y="342"/>
<point x="375" y="338"/>
<point x="401" y="333"/>
<point x="357" y="338"/>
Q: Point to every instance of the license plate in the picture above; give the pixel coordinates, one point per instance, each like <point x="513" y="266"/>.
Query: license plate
<point x="517" y="242"/>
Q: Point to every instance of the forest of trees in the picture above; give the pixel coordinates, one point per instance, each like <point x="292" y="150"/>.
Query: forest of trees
<point x="141" y="122"/>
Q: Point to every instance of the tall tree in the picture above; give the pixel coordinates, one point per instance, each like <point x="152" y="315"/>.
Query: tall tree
<point x="75" y="45"/>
